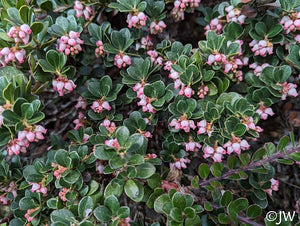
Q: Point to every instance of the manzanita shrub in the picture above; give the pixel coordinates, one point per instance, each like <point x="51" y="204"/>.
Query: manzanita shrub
<point x="166" y="132"/>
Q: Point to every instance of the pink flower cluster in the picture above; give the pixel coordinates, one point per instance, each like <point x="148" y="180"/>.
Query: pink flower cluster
<point x="151" y="156"/>
<point x="236" y="144"/>
<point x="234" y="15"/>
<point x="157" y="27"/>
<point x="289" y="89"/>
<point x="110" y="126"/>
<point x="264" y="112"/>
<point x="145" y="101"/>
<point x="99" y="105"/>
<point x="291" y="23"/>
<point x="63" y="85"/>
<point x="184" y="90"/>
<point x="125" y="222"/>
<point x="25" y="137"/>
<point x="79" y="122"/>
<point x="181" y="5"/>
<point x="38" y="187"/>
<point x="183" y="123"/>
<point x="12" y="55"/>
<point x="202" y="91"/>
<point x="112" y="143"/>
<point x="262" y="47"/>
<point x="215" y="25"/>
<point x="180" y="163"/>
<point x="192" y="146"/>
<point x="146" y="43"/>
<point x="122" y="60"/>
<point x="249" y="123"/>
<point x="155" y="58"/>
<point x="82" y="9"/>
<point x="216" y="153"/>
<point x="258" y="68"/>
<point x="62" y="194"/>
<point x="99" y="51"/>
<point x="205" y="127"/>
<point x="136" y="20"/>
<point x="146" y="134"/>
<point x="232" y="64"/>
<point x="20" y="34"/>
<point x="30" y="212"/>
<point x="70" y="43"/>
<point x="59" y="171"/>
<point x="274" y="186"/>
<point x="11" y="188"/>
<point x="81" y="103"/>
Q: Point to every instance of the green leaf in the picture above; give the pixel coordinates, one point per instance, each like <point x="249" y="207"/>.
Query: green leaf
<point x="85" y="206"/>
<point x="27" y="110"/>
<point x="123" y="212"/>
<point x="135" y="160"/>
<point x="160" y="202"/>
<point x="11" y="116"/>
<point x="133" y="190"/>
<point x="122" y="135"/>
<point x="261" y="28"/>
<point x="259" y="154"/>
<point x="216" y="169"/>
<point x="283" y="143"/>
<point x="203" y="170"/>
<point x="145" y="170"/>
<point x="223" y="218"/>
<point x="28" y="203"/>
<point x="226" y="198"/>
<point x="179" y="201"/>
<point x="36" y="27"/>
<point x="296" y="156"/>
<point x="112" y="203"/>
<point x="103" y="214"/>
<point x="189" y="212"/>
<point x="117" y="162"/>
<point x="105" y="85"/>
<point x="253" y="211"/>
<point x="176" y="214"/>
<point x="72" y="177"/>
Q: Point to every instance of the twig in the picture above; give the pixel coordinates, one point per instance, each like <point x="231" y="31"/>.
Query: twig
<point x="251" y="165"/>
<point x="7" y="218"/>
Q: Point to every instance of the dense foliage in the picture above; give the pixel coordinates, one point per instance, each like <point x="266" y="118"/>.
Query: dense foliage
<point x="160" y="124"/>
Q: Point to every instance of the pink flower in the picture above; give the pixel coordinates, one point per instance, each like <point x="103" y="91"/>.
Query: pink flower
<point x="62" y="194"/>
<point x="99" y="51"/>
<point x="216" y="153"/>
<point x="236" y="145"/>
<point x="122" y="60"/>
<point x="180" y="163"/>
<point x="289" y="89"/>
<point x="137" y="20"/>
<point x="110" y="126"/>
<point x="264" y="111"/>
<point x="192" y="146"/>
<point x="183" y="123"/>
<point x="99" y="105"/>
<point x="20" y="34"/>
<point x="70" y="43"/>
<point x="274" y="186"/>
<point x="202" y="91"/>
<point x="63" y="85"/>
<point x="157" y="27"/>
<point x="112" y="143"/>
<point x="82" y="9"/>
